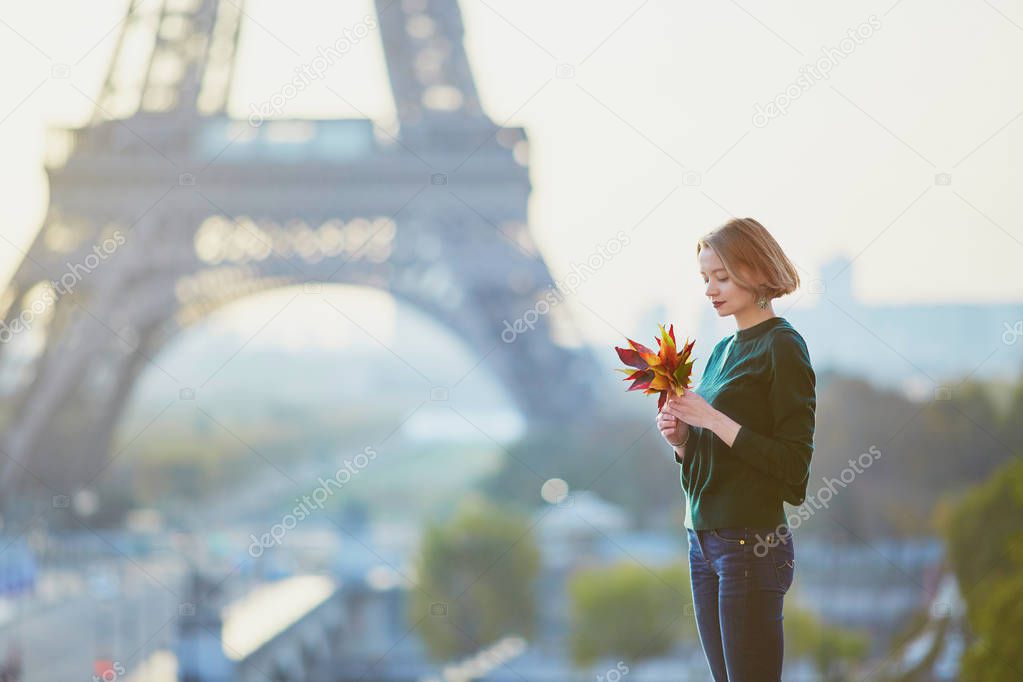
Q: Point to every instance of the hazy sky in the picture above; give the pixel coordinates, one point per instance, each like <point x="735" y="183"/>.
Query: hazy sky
<point x="654" y="133"/>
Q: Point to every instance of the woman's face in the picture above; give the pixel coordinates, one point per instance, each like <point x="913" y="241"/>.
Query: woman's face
<point x="724" y="294"/>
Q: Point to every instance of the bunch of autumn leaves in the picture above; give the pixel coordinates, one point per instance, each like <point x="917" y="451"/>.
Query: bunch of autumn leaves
<point x="668" y="371"/>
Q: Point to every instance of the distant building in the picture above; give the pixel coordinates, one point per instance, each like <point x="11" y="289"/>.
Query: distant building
<point x="576" y="527"/>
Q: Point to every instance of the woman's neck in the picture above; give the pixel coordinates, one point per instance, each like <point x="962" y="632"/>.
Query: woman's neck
<point x="753" y="315"/>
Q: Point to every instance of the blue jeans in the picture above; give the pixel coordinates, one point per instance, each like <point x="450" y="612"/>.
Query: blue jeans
<point x="739" y="578"/>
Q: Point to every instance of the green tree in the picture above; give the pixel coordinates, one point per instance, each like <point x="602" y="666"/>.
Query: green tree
<point x="1011" y="431"/>
<point x="476" y="579"/>
<point x="929" y="448"/>
<point x="629" y="610"/>
<point x="831" y="648"/>
<point x="985" y="545"/>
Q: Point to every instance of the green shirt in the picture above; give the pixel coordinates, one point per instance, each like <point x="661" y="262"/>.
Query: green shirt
<point x="760" y="377"/>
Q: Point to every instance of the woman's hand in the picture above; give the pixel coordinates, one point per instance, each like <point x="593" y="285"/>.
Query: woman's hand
<point x="691" y="408"/>
<point x="674" y="431"/>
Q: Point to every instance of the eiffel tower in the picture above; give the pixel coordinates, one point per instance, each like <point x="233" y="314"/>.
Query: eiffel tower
<point x="164" y="209"/>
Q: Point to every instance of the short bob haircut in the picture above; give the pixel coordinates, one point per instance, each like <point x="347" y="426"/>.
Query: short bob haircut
<point x="752" y="257"/>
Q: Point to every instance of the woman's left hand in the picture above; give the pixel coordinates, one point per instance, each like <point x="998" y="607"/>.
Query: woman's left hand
<point x="691" y="408"/>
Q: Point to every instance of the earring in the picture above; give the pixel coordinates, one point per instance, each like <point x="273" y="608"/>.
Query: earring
<point x="762" y="302"/>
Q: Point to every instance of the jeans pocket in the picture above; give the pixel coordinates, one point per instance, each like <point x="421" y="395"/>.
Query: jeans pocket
<point x="786" y="572"/>
<point x="735" y="536"/>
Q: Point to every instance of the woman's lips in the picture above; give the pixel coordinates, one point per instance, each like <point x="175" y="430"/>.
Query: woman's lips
<point x="717" y="304"/>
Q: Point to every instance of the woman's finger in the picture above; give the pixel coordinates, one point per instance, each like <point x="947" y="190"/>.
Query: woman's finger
<point x="674" y="411"/>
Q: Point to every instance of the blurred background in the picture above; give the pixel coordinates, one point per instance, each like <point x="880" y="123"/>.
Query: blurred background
<point x="309" y="312"/>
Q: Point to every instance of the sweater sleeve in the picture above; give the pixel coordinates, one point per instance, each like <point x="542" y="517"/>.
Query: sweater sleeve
<point x="694" y="435"/>
<point x="785" y="452"/>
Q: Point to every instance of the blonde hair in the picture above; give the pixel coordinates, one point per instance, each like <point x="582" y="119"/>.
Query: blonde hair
<point x="749" y="252"/>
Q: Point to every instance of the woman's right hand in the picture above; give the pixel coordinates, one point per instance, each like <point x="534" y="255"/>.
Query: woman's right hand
<point x="673" y="430"/>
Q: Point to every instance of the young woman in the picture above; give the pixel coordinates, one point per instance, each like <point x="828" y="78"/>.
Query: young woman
<point x="744" y="439"/>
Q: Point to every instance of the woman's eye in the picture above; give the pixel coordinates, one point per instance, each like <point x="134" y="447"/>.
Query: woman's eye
<point x="722" y="279"/>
